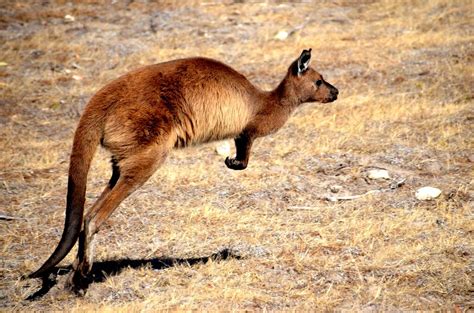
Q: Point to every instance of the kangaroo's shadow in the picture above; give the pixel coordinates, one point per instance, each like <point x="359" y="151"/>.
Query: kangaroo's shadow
<point x="102" y="270"/>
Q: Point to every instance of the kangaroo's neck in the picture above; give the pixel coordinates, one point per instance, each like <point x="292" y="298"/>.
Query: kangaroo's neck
<point x="283" y="96"/>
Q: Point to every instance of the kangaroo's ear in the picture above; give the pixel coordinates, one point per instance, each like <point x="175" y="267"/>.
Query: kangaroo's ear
<point x="303" y="61"/>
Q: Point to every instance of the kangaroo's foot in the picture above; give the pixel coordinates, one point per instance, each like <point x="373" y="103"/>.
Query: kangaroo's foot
<point x="235" y="164"/>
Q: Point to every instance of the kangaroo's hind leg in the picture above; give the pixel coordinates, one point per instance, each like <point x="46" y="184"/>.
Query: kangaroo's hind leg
<point x="85" y="250"/>
<point x="132" y="172"/>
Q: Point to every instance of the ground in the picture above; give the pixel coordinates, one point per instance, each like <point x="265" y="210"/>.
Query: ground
<point x="200" y="236"/>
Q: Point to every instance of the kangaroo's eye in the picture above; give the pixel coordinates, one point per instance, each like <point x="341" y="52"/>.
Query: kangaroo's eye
<point x="319" y="82"/>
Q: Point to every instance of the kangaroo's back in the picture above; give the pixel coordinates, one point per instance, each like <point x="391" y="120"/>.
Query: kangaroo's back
<point x="194" y="100"/>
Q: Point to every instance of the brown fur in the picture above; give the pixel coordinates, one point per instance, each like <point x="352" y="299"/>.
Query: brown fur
<point x="142" y="115"/>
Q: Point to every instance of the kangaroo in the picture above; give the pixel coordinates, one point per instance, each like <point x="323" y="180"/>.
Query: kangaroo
<point x="144" y="114"/>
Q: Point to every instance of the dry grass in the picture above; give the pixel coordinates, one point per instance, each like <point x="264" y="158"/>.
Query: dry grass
<point x="405" y="73"/>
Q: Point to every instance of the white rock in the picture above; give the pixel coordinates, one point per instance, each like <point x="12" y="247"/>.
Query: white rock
<point x="69" y="18"/>
<point x="223" y="148"/>
<point x="427" y="193"/>
<point x="282" y="35"/>
<point x="378" y="174"/>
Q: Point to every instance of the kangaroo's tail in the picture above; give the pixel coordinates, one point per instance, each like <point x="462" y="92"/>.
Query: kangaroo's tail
<point x="86" y="140"/>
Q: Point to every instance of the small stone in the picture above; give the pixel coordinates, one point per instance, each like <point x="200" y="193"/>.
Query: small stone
<point x="69" y="18"/>
<point x="427" y="193"/>
<point x="335" y="188"/>
<point x="223" y="148"/>
<point x="378" y="174"/>
<point x="281" y="35"/>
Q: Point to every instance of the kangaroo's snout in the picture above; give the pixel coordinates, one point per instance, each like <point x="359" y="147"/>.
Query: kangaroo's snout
<point x="333" y="94"/>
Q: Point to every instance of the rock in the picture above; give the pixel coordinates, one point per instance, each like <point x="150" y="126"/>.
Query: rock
<point x="378" y="174"/>
<point x="69" y="18"/>
<point x="397" y="183"/>
<point x="223" y="148"/>
<point x="281" y="35"/>
<point x="427" y="193"/>
<point x="335" y="188"/>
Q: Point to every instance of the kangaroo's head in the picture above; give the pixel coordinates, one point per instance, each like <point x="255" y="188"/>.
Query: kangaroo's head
<point x="308" y="85"/>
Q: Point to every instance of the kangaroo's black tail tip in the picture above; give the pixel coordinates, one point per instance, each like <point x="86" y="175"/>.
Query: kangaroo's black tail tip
<point x="42" y="274"/>
<point x="33" y="275"/>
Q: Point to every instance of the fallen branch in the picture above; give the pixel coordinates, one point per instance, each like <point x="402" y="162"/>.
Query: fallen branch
<point x="393" y="185"/>
<point x="351" y="197"/>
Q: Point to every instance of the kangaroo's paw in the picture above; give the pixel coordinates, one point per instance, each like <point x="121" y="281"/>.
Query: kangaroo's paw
<point x="78" y="281"/>
<point x="235" y="164"/>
